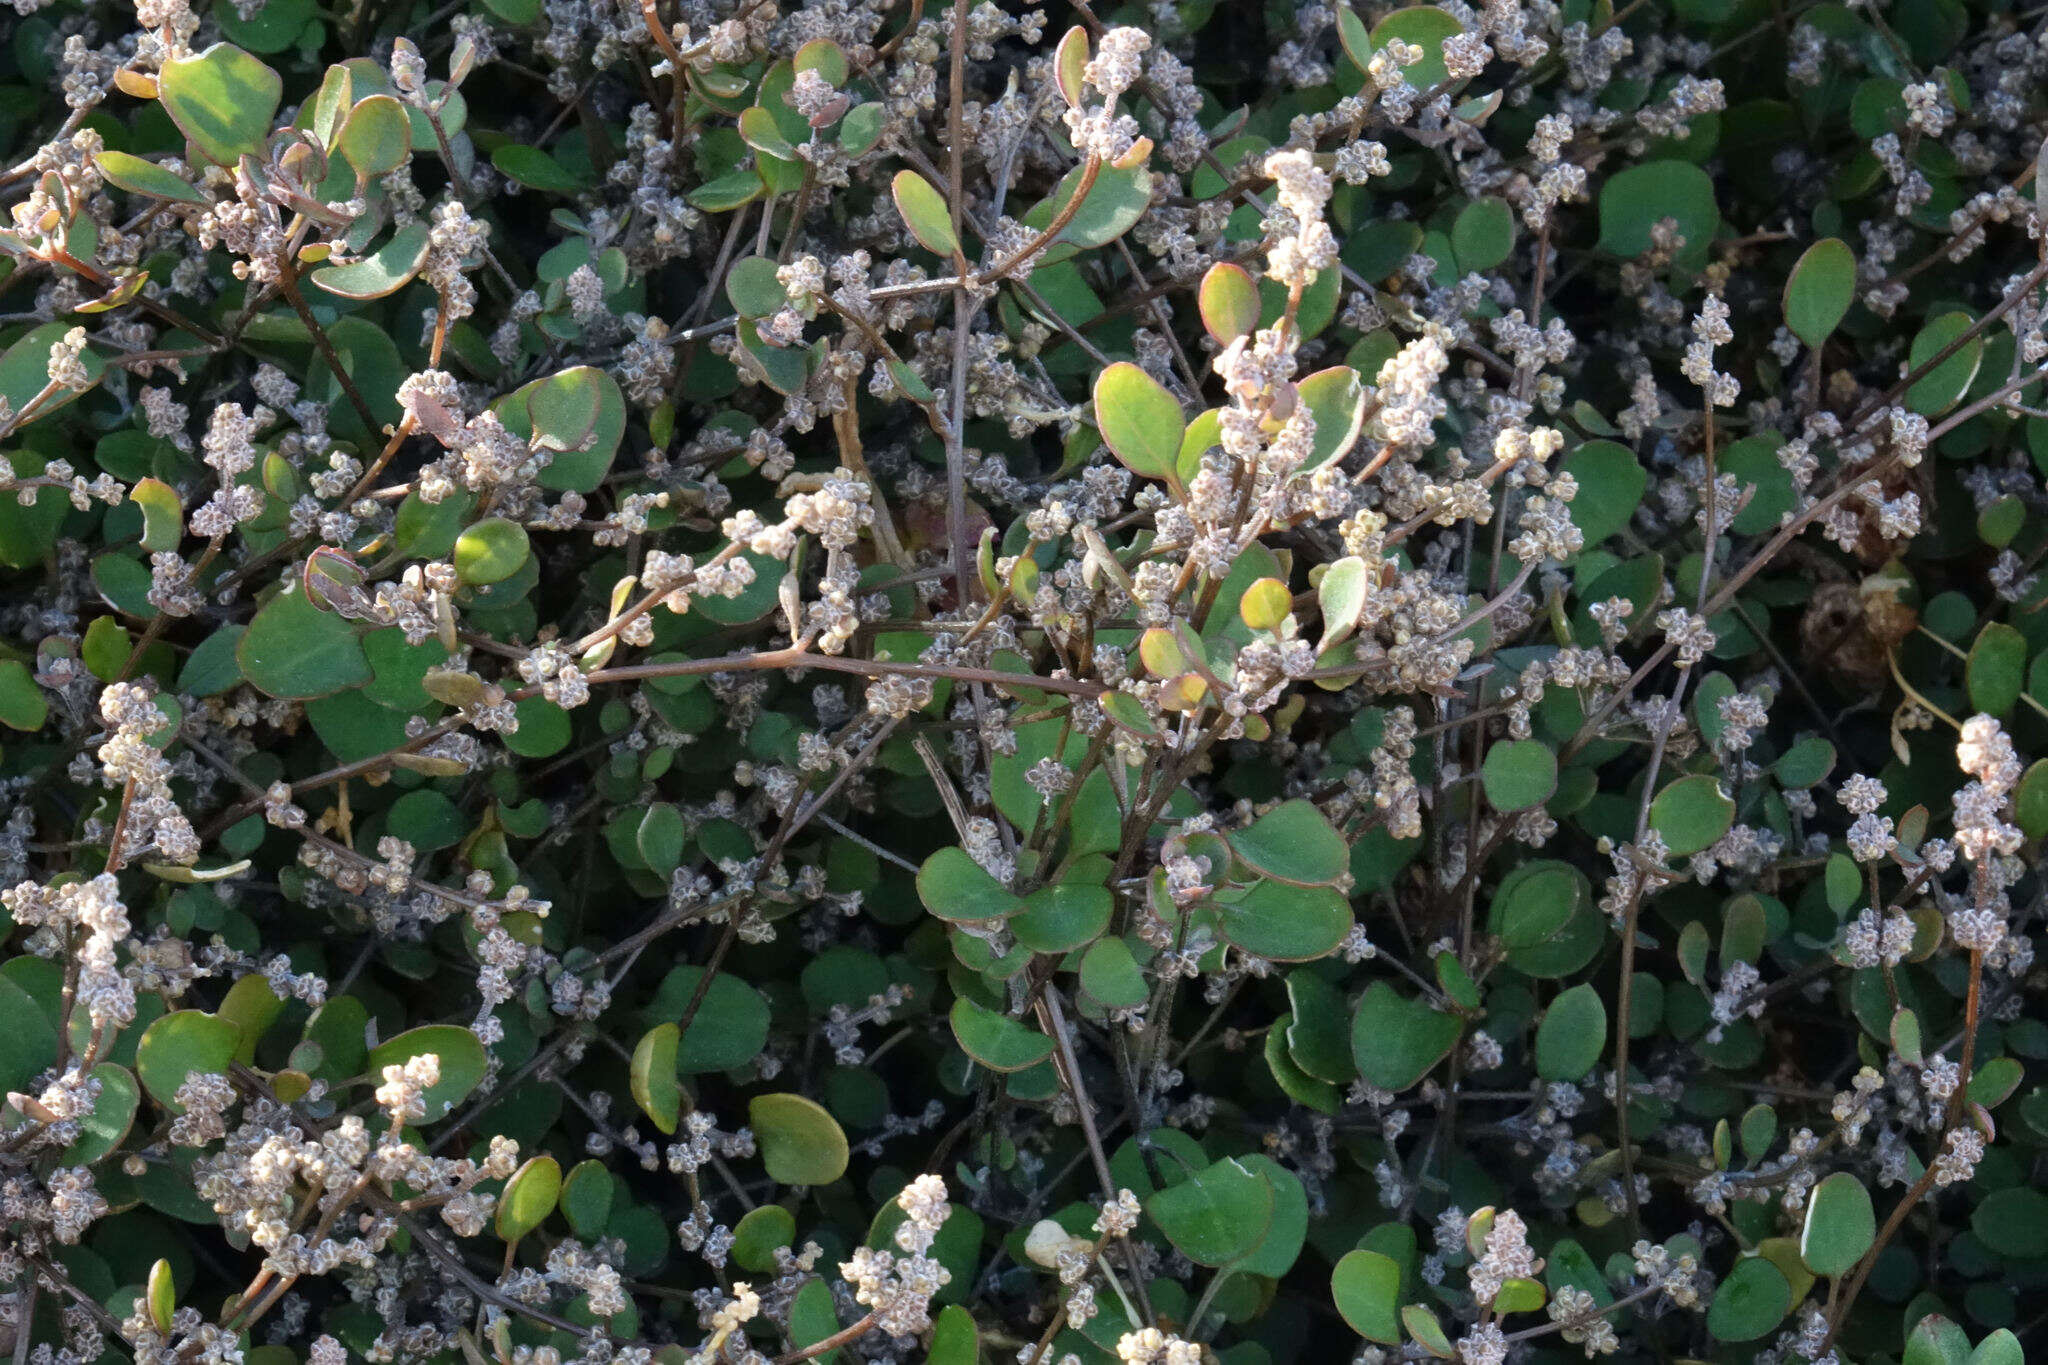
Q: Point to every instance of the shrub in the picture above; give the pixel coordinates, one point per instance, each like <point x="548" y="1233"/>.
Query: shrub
<point x="1192" y="683"/>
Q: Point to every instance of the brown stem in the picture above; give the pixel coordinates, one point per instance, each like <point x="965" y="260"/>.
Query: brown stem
<point x="288" y="285"/>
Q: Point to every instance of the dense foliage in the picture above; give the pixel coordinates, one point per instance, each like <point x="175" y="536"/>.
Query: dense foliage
<point x="885" y="680"/>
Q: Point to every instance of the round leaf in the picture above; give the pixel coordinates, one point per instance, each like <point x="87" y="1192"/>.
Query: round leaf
<point x="491" y="551"/>
<point x="1634" y="201"/>
<point x="1840" y="1225"/>
<point x="997" y="1041"/>
<point x="1293" y="842"/>
<point x="800" y="1143"/>
<point x="2013" y="1222"/>
<point x="180" y="1044"/>
<point x="137" y="176"/>
<point x="222" y="99"/>
<point x="1942" y="386"/>
<point x="377" y="137"/>
<point x="1282" y="922"/>
<point x="757" y="1236"/>
<point x="1139" y="420"/>
<point x="1216" y="1216"/>
<point x="384" y="271"/>
<point x="1062" y="917"/>
<point x="1229" y="302"/>
<point x="1367" y="1288"/>
<point x="460" y="1055"/>
<point x="1750" y="1303"/>
<point x="925" y="213"/>
<point x="1997" y="669"/>
<point x="955" y="887"/>
<point x="1691" y="814"/>
<point x="651" y="1076"/>
<point x="1483" y="235"/>
<point x="1611" y="486"/>
<point x="529" y="1197"/>
<point x="1819" y="290"/>
<point x="295" y="651"/>
<point x="1572" y="1035"/>
<point x="1396" y="1041"/>
<point x="1519" y="774"/>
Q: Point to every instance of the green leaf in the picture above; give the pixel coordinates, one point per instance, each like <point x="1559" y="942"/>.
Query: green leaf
<point x="757" y="1236"/>
<point x="28" y="1040"/>
<point x="2030" y="802"/>
<point x="137" y="176"/>
<point x="22" y="703"/>
<point x="252" y="1007"/>
<point x="662" y="837"/>
<point x="1999" y="1348"/>
<point x="1139" y="420"/>
<point x="925" y="213"/>
<point x="812" y="1318"/>
<point x="1936" y="1341"/>
<point x="1336" y="398"/>
<point x="1427" y="1332"/>
<point x="586" y="1199"/>
<point x="1293" y="842"/>
<point x="460" y="1055"/>
<point x="1115" y="203"/>
<point x="1427" y="27"/>
<point x="651" y="1075"/>
<point x="113" y="1113"/>
<point x="1367" y="1288"/>
<point x="997" y="1041"/>
<point x="1297" y="1084"/>
<point x="163" y="515"/>
<point x="1396" y="1040"/>
<point x="1691" y="814"/>
<point x="536" y="170"/>
<point x="955" y="1338"/>
<point x="1750" y="1303"/>
<point x="1217" y="1215"/>
<point x="1341" y="596"/>
<point x="752" y="287"/>
<point x="491" y="551"/>
<point x="1062" y="917"/>
<point x="1572" y="1036"/>
<point x="295" y="651"/>
<point x="1943" y="386"/>
<point x="1317" y="1038"/>
<point x="1611" y="486"/>
<point x="179" y="1044"/>
<point x="222" y="99"/>
<point x="1840" y="1226"/>
<point x="1753" y="461"/>
<point x="955" y="887"/>
<point x="1519" y="774"/>
<point x="1111" y="976"/>
<point x="1483" y="235"/>
<point x="1805" y="764"/>
<point x="529" y="1197"/>
<point x="162" y="1295"/>
<point x="1634" y="201"/>
<point x="377" y="137"/>
<point x="1229" y="302"/>
<point x="2013" y="1222"/>
<point x="1997" y="669"/>
<point x="731" y="1025"/>
<point x="1819" y="290"/>
<point x="384" y="271"/>
<point x="800" y="1143"/>
<point x="1283" y="922"/>
<point x="579" y="412"/>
